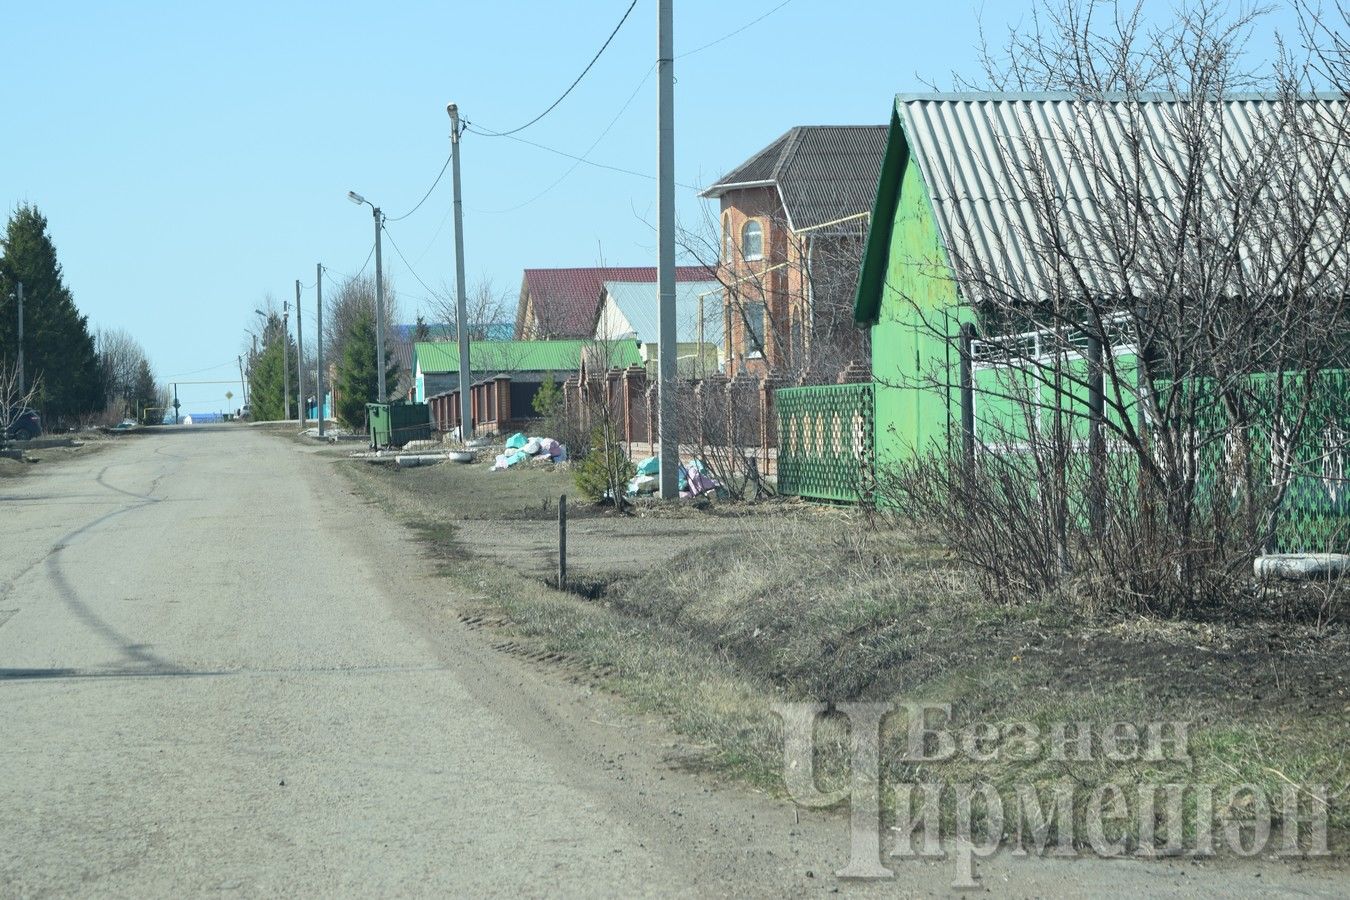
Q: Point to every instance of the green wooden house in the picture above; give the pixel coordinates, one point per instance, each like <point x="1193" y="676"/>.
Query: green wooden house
<point x="956" y="212"/>
<point x="956" y="196"/>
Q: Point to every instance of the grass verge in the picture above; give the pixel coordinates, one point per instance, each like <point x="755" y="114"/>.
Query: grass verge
<point x="819" y="605"/>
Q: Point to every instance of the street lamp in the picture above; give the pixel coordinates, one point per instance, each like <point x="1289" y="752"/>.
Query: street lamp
<point x="379" y="291"/>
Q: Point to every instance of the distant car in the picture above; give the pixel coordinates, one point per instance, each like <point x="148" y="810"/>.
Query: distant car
<point x="246" y="411"/>
<point x="24" y="425"/>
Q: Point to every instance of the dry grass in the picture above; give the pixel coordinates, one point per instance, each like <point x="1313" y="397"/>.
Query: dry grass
<point x="819" y="604"/>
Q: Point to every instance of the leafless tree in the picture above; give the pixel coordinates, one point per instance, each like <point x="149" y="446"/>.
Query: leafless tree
<point x="592" y="426"/>
<point x="1184" y="269"/>
<point x="793" y="304"/>
<point x="486" y="306"/>
<point x="1195" y="289"/>
<point x="342" y="307"/>
<point x="15" y="397"/>
<point x="127" y="377"/>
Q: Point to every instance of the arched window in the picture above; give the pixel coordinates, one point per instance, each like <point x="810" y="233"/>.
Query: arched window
<point x="752" y="240"/>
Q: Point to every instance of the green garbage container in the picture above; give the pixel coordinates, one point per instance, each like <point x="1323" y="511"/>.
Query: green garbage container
<point x="377" y="421"/>
<point x="394" y="424"/>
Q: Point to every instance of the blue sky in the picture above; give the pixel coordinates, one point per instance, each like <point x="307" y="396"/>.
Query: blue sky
<point x="192" y="158"/>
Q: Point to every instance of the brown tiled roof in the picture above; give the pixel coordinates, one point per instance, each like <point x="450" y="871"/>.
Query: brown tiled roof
<point x="566" y="300"/>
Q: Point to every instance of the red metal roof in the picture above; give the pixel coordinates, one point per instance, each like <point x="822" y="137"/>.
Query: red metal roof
<point x="565" y="300"/>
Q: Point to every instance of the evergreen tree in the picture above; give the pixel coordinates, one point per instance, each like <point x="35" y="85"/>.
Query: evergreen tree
<point x="421" y="330"/>
<point x="358" y="379"/>
<point x="144" y="393"/>
<point x="59" y="352"/>
<point x="548" y="399"/>
<point x="268" y="374"/>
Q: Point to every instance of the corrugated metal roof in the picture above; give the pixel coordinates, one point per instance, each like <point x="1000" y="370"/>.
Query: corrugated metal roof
<point x="487" y="357"/>
<point x="987" y="159"/>
<point x="822" y="172"/>
<point x="566" y="300"/>
<point x="637" y="301"/>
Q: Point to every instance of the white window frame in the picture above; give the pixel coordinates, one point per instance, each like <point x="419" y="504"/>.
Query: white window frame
<point x="745" y="250"/>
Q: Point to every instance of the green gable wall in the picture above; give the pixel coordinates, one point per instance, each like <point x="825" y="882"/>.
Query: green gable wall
<point x="907" y="294"/>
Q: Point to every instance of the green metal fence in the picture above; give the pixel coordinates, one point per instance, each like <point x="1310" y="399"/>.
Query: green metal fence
<point x="1307" y="455"/>
<point x="825" y="449"/>
<point x="1302" y="463"/>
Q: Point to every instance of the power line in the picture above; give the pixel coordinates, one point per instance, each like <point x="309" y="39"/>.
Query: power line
<point x="584" y="156"/>
<point x="439" y="176"/>
<point x="199" y="371"/>
<point x="570" y="87"/>
<point x="732" y="34"/>
<point x="329" y="271"/>
<point x="436" y="236"/>
<point x="582" y="159"/>
<point x="579" y="160"/>
<point x="410" y="268"/>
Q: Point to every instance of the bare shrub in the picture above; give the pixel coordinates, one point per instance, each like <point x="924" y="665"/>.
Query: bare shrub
<point x="1158" y="358"/>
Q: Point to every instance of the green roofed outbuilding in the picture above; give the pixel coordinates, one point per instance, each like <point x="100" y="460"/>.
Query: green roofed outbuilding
<point x="436" y="363"/>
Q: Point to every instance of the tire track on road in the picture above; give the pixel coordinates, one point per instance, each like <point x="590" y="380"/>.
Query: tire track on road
<point x="136" y="653"/>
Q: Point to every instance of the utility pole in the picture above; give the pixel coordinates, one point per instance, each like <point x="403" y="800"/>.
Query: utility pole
<point x="175" y="404"/>
<point x="318" y="388"/>
<point x="286" y="359"/>
<point x="461" y="302"/>
<point x="379" y="305"/>
<point x="243" y="383"/>
<point x="669" y="452"/>
<point x="379" y="291"/>
<point x="299" y="358"/>
<point x="21" y="381"/>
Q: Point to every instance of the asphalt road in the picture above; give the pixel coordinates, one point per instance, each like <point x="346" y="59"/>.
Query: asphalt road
<point x="221" y="673"/>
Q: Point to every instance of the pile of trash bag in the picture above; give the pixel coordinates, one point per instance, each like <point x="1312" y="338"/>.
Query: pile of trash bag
<point x="520" y="448"/>
<point x="694" y="480"/>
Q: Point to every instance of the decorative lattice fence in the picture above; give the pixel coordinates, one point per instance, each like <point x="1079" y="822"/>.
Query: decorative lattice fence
<point x="825" y="449"/>
<point x="1301" y="462"/>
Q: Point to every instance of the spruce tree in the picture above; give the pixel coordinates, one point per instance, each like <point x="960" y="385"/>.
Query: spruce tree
<point x="268" y="375"/>
<point x="144" y="392"/>
<point x="358" y="381"/>
<point x="59" y="352"/>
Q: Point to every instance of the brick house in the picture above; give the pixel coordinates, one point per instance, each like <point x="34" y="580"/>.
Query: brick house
<point x="563" y="303"/>
<point x="793" y="224"/>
